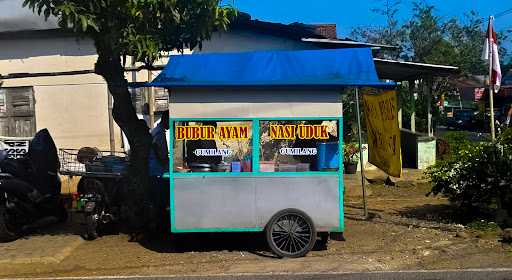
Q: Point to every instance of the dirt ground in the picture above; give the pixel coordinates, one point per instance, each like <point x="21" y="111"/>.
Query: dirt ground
<point x="406" y="230"/>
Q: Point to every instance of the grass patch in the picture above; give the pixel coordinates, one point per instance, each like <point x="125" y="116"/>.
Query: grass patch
<point x="483" y="229"/>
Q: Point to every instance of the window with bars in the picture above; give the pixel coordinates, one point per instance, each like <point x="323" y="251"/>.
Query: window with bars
<point x="17" y="112"/>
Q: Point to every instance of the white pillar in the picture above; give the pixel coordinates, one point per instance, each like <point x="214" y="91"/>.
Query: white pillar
<point x="412" y="85"/>
<point x="400" y="117"/>
<point x="399" y="111"/>
<point x="428" y="93"/>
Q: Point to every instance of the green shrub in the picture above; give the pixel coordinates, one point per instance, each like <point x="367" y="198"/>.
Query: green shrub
<point x="506" y="137"/>
<point x="477" y="176"/>
<point x="458" y="141"/>
<point x="484" y="227"/>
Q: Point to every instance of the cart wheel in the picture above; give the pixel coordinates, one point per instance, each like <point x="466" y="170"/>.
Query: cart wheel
<point x="291" y="233"/>
<point x="91" y="224"/>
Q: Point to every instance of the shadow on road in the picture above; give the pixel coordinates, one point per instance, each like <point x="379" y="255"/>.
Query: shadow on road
<point x="205" y="242"/>
<point x="445" y="213"/>
<point x="162" y="241"/>
<point x="72" y="226"/>
<point x="254" y="243"/>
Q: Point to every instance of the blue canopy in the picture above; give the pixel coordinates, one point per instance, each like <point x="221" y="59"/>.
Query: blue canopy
<point x="309" y="68"/>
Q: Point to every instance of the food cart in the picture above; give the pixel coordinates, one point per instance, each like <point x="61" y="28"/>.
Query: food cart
<point x="255" y="142"/>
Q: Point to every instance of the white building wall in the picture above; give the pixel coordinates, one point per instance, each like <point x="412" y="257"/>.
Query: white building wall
<point x="73" y="108"/>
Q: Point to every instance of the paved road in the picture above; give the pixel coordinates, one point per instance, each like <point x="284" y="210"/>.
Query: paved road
<point x="471" y="274"/>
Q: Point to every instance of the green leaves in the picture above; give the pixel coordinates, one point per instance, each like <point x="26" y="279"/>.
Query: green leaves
<point x="428" y="38"/>
<point x="139" y="28"/>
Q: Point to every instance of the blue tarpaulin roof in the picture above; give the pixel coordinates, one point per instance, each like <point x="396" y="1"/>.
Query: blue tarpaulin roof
<point x="311" y="68"/>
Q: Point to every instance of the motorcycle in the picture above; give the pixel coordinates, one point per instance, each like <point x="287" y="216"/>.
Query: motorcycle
<point x="95" y="201"/>
<point x="99" y="189"/>
<point x="30" y="189"/>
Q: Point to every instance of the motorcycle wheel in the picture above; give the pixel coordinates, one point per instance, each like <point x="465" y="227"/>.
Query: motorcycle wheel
<point x="8" y="232"/>
<point x="62" y="214"/>
<point x="91" y="224"/>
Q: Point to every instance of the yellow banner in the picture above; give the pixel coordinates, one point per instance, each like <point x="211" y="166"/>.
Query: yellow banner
<point x="303" y="131"/>
<point x="208" y="132"/>
<point x="381" y="113"/>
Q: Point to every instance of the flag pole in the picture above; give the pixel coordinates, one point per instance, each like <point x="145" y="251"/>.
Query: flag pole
<point x="491" y="87"/>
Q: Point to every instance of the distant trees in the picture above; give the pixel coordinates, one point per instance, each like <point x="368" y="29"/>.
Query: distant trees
<point x="507" y="67"/>
<point x="390" y="34"/>
<point x="428" y="38"/>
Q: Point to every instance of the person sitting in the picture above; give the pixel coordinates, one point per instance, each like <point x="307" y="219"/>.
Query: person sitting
<point x="193" y="145"/>
<point x="159" y="154"/>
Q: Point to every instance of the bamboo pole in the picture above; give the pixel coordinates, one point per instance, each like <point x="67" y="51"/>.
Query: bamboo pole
<point x="361" y="159"/>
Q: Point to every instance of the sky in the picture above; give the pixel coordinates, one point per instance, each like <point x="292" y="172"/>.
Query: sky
<point x="349" y="14"/>
<point x="346" y="14"/>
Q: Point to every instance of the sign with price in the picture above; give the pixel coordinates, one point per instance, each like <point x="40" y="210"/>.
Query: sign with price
<point x="15" y="147"/>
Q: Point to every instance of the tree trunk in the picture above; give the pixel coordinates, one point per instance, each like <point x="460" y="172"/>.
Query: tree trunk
<point x="136" y="200"/>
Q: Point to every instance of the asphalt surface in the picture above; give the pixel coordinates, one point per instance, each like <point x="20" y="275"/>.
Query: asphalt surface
<point x="470" y="274"/>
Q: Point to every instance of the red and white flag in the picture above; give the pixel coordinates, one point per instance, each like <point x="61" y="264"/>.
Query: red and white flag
<point x="491" y="52"/>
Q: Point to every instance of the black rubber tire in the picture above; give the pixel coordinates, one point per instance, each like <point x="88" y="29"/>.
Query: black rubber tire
<point x="91" y="185"/>
<point x="301" y="221"/>
<point x="324" y="238"/>
<point x="7" y="233"/>
<point x="91" y="227"/>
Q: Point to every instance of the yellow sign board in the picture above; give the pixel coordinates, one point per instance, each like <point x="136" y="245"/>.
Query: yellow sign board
<point x="208" y="132"/>
<point x="303" y="131"/>
<point x="381" y="113"/>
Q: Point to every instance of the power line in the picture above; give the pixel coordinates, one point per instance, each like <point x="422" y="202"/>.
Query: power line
<point x="506" y="12"/>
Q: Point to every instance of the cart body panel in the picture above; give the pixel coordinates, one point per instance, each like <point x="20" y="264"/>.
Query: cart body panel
<point x="246" y="203"/>
<point x="247" y="103"/>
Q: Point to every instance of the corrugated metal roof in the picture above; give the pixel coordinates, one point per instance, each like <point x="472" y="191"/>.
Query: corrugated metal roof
<point x="405" y="71"/>
<point x="309" y="33"/>
<point x="13" y="17"/>
<point x="348" y="43"/>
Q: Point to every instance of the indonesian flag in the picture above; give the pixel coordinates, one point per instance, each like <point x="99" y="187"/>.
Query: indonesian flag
<point x="491" y="52"/>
